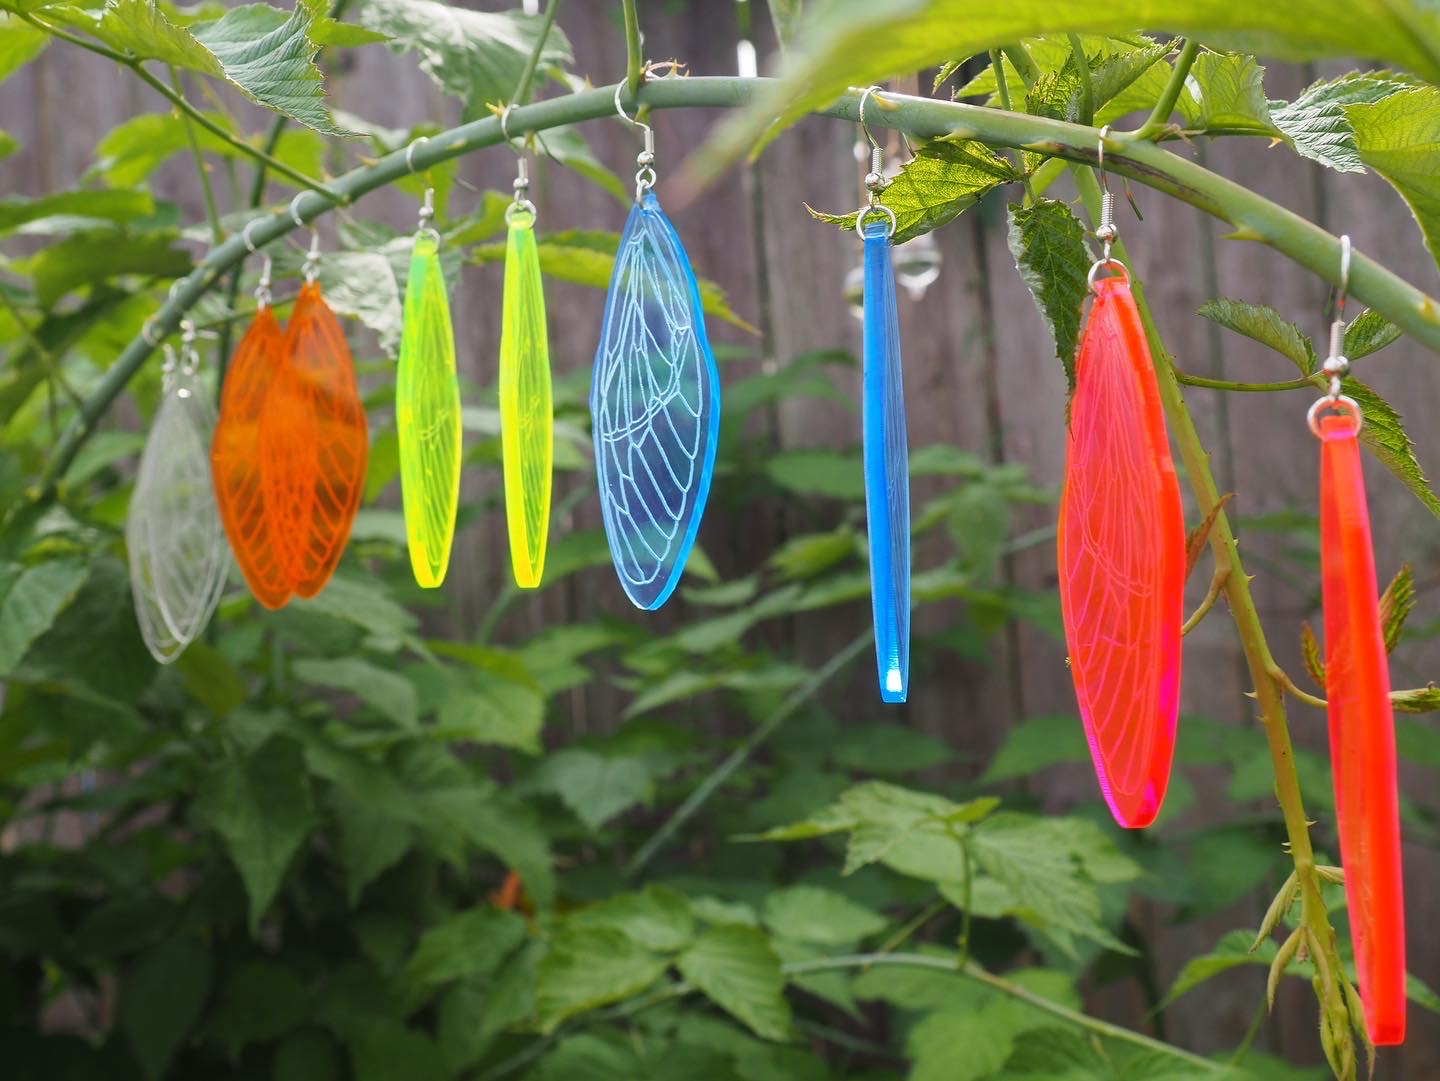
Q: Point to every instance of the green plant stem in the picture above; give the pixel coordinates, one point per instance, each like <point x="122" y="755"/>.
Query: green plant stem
<point x="1253" y="216"/>
<point x="45" y="356"/>
<point x="137" y="65"/>
<point x="1159" y="120"/>
<point x="1021" y="60"/>
<point x="1002" y="86"/>
<point x="1087" y="84"/>
<point x="979" y="974"/>
<point x="702" y="792"/>
<point x="522" y="88"/>
<point x="634" y="58"/>
<point x="1268" y="691"/>
<point x="1217" y="584"/>
<point x="212" y="212"/>
<point x="1186" y="379"/>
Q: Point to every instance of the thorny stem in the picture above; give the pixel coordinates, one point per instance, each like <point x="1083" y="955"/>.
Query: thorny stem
<point x="1283" y="678"/>
<point x="522" y="88"/>
<point x="1268" y="691"/>
<point x="1217" y="585"/>
<point x="212" y="212"/>
<point x="1159" y="118"/>
<point x="1186" y="379"/>
<point x="634" y="60"/>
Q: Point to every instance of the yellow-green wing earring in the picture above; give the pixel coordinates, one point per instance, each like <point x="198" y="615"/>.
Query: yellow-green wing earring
<point x="427" y="410"/>
<point x="526" y="410"/>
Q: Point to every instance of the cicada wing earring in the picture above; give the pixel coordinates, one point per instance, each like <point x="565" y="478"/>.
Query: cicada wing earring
<point x="886" y="447"/>
<point x="526" y="407"/>
<point x="1360" y="715"/>
<point x="176" y="547"/>
<point x="237" y="464"/>
<point x="654" y="400"/>
<point x="327" y="396"/>
<point x="1121" y="551"/>
<point x="427" y="410"/>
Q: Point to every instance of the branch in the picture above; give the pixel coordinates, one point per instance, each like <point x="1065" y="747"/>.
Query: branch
<point x="1254" y="216"/>
<point x="212" y="212"/>
<point x="1087" y="83"/>
<point x="522" y="88"/>
<point x="1186" y="379"/>
<point x="634" y="59"/>
<point x="1159" y="118"/>
<point x="1217" y="585"/>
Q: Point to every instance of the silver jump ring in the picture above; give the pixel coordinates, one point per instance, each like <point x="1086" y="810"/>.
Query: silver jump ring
<point x="410" y="151"/>
<point x="876" y="208"/>
<point x="517" y="207"/>
<point x="1105" y="264"/>
<point x="1342" y="404"/>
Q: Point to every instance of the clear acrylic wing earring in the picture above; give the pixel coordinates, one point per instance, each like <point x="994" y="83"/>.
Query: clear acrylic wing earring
<point x="176" y="548"/>
<point x="1357" y="695"/>
<point x="427" y="410"/>
<point x="886" y="449"/>
<point x="655" y="399"/>
<point x="527" y="425"/>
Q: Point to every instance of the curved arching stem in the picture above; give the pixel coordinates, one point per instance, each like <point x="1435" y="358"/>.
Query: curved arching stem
<point x="1252" y="216"/>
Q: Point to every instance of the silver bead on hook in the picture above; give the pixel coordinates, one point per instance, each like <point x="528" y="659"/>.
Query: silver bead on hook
<point x="1106" y="231"/>
<point x="1337" y="365"/>
<point x="875" y="181"/>
<point x="645" y="174"/>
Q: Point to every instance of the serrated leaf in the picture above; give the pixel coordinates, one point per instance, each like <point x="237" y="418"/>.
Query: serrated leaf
<point x="1399" y="137"/>
<point x="1396" y="603"/>
<point x="656" y="917"/>
<point x="259" y="1002"/>
<point x="596" y="786"/>
<point x="1199" y="537"/>
<point x="1384" y="433"/>
<point x="944" y="178"/>
<point x="587" y="967"/>
<point x="1315" y="122"/>
<point x="90" y="258"/>
<point x="1232" y="951"/>
<point x="960" y="1044"/>
<point x="473" y="942"/>
<point x="20" y="43"/>
<point x="1225" y="93"/>
<point x="475" y="56"/>
<point x="161" y="998"/>
<point x="1264" y="325"/>
<point x="1048" y="243"/>
<point x="390" y="694"/>
<point x="261" y="806"/>
<point x="131" y="151"/>
<point x="821" y="916"/>
<point x="333" y="33"/>
<point x="1416" y="700"/>
<point x="1368" y="332"/>
<point x="736" y="969"/>
<point x="29" y="606"/>
<point x="1312" y="656"/>
<point x="1035" y="744"/>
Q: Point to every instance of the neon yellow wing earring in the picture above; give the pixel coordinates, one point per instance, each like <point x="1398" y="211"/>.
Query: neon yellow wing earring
<point x="526" y="409"/>
<point x="427" y="409"/>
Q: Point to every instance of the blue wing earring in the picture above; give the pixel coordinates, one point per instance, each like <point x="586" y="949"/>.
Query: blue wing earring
<point x="655" y="399"/>
<point x="886" y="453"/>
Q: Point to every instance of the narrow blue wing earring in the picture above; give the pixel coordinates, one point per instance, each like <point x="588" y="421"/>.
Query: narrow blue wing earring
<point x="887" y="456"/>
<point x="655" y="399"/>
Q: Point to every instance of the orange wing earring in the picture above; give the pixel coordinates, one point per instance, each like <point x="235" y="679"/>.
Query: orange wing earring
<point x="1357" y="695"/>
<point x="1121" y="549"/>
<point x="326" y="458"/>
<point x="238" y="469"/>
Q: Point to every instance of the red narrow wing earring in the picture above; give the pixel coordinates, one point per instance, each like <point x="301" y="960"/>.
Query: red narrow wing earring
<point x="1121" y="550"/>
<point x="326" y="396"/>
<point x="1357" y="693"/>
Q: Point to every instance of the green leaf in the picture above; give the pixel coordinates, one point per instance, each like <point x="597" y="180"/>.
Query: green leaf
<point x="736" y="969"/>
<point x="1399" y="137"/>
<point x="596" y="786"/>
<point x="131" y="151"/>
<point x="960" y="1044"/>
<point x="92" y="257"/>
<point x="391" y="695"/>
<point x="307" y="1057"/>
<point x="1312" y="656"/>
<point x="372" y="840"/>
<point x="162" y="997"/>
<point x="261" y="806"/>
<point x="116" y="206"/>
<point x="946" y="177"/>
<point x="1035" y="744"/>
<point x="1232" y="951"/>
<point x="1048" y="243"/>
<point x="259" y="1002"/>
<point x="333" y="33"/>
<point x="362" y="284"/>
<point x="494" y="824"/>
<point x="28" y="608"/>
<point x="1384" y="433"/>
<point x="657" y="917"/>
<point x="1416" y="700"/>
<point x="1396" y="604"/>
<point x="469" y="943"/>
<point x="211" y="679"/>
<point x="588" y="967"/>
<point x="827" y="918"/>
<point x="475" y="56"/>
<point x="1368" y="332"/>
<point x="812" y="553"/>
<point x="8" y="144"/>
<point x="567" y="145"/>
<point x="20" y="43"/>
<point x="1226" y="94"/>
<point x="1264" y="325"/>
<point x="1315" y="122"/>
<point x="888" y="748"/>
<point x="385" y="1050"/>
<point x="825" y="473"/>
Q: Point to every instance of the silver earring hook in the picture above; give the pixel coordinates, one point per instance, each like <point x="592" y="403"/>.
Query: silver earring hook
<point x="864" y="97"/>
<point x="1337" y="365"/>
<point x="1341" y="296"/>
<point x="410" y="152"/>
<point x="245" y="235"/>
<point x="635" y="120"/>
<point x="295" y="212"/>
<point x="645" y="160"/>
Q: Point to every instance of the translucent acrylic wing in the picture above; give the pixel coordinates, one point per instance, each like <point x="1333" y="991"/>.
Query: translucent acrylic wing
<point x="655" y="406"/>
<point x="887" y="470"/>
<point x="320" y="359"/>
<point x="526" y="410"/>
<point x="1121" y="555"/>
<point x="288" y="457"/>
<point x="427" y="416"/>
<point x="177" y="553"/>
<point x="236" y="463"/>
<point x="1362" y="733"/>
